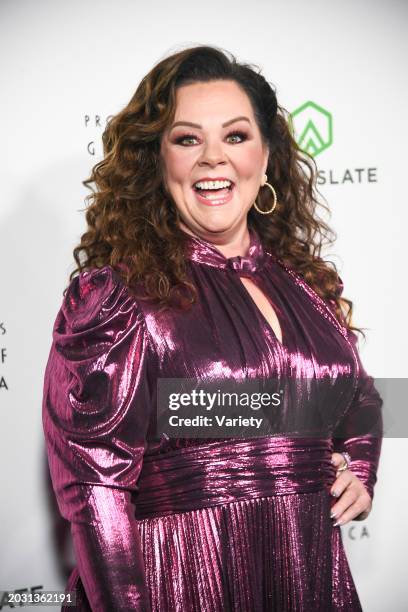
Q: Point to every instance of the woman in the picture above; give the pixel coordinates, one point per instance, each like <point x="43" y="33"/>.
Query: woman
<point x="202" y="260"/>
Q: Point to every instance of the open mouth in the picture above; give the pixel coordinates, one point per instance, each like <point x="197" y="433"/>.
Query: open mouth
<point x="214" y="190"/>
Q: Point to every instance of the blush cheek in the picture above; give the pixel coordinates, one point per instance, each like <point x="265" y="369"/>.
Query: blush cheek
<point x="178" y="168"/>
<point x="248" y="165"/>
<point x="249" y="161"/>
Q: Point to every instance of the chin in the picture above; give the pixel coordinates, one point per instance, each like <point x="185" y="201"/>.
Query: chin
<point x="217" y="220"/>
<point x="216" y="226"/>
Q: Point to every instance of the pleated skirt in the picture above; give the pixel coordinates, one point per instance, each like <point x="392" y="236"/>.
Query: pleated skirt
<point x="271" y="554"/>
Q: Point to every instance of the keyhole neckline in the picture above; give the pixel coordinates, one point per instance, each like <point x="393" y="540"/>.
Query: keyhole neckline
<point x="256" y="309"/>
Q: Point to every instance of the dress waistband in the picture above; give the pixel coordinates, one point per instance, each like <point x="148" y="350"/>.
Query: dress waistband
<point x="229" y="470"/>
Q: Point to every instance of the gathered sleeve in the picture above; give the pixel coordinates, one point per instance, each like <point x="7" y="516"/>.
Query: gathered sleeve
<point x="96" y="410"/>
<point x="360" y="432"/>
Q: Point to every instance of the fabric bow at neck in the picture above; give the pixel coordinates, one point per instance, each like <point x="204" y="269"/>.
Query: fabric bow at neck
<point x="205" y="252"/>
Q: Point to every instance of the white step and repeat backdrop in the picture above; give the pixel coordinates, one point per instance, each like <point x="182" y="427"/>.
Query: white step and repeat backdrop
<point x="67" y="66"/>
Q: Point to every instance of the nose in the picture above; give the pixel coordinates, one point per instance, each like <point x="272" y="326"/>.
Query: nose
<point x="212" y="155"/>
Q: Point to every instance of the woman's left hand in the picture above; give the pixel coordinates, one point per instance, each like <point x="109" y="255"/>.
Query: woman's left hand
<point x="353" y="500"/>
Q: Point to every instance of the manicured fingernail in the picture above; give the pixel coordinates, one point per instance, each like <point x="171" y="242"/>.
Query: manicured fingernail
<point x="334" y="493"/>
<point x="332" y="515"/>
<point x="332" y="461"/>
<point x="336" y="523"/>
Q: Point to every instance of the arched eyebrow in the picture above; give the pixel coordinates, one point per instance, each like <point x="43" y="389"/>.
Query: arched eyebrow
<point x="200" y="127"/>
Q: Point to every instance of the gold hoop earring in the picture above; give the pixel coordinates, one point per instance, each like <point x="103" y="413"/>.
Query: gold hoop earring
<point x="275" y="200"/>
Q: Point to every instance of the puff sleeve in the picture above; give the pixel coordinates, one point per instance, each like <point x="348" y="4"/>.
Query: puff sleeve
<point x="96" y="407"/>
<point x="360" y="432"/>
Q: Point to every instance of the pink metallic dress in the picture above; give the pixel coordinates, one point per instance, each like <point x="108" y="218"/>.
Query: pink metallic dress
<point x="201" y="525"/>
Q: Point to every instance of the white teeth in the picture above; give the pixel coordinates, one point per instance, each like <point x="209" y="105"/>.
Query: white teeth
<point x="212" y="184"/>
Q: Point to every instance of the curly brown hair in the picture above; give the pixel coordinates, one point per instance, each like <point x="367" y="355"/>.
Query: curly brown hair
<point x="131" y="217"/>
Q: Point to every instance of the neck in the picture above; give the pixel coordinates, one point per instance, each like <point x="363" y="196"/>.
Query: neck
<point x="230" y="244"/>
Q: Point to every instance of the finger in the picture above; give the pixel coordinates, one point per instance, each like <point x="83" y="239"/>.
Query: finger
<point x="348" y="498"/>
<point x="343" y="480"/>
<point x="337" y="459"/>
<point x="354" y="492"/>
<point x="346" y="489"/>
<point x="351" y="512"/>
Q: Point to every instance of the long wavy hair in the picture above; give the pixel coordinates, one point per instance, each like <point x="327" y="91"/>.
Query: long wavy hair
<point x="132" y="220"/>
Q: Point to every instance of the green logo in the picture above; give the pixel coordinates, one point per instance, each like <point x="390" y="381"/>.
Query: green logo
<point x="312" y="128"/>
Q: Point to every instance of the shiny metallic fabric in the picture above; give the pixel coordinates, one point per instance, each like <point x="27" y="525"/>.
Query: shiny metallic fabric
<point x="196" y="524"/>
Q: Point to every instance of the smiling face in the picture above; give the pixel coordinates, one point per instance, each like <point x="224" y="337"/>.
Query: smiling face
<point x="214" y="135"/>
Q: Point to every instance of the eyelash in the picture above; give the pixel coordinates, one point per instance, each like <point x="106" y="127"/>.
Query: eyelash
<point x="180" y="139"/>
